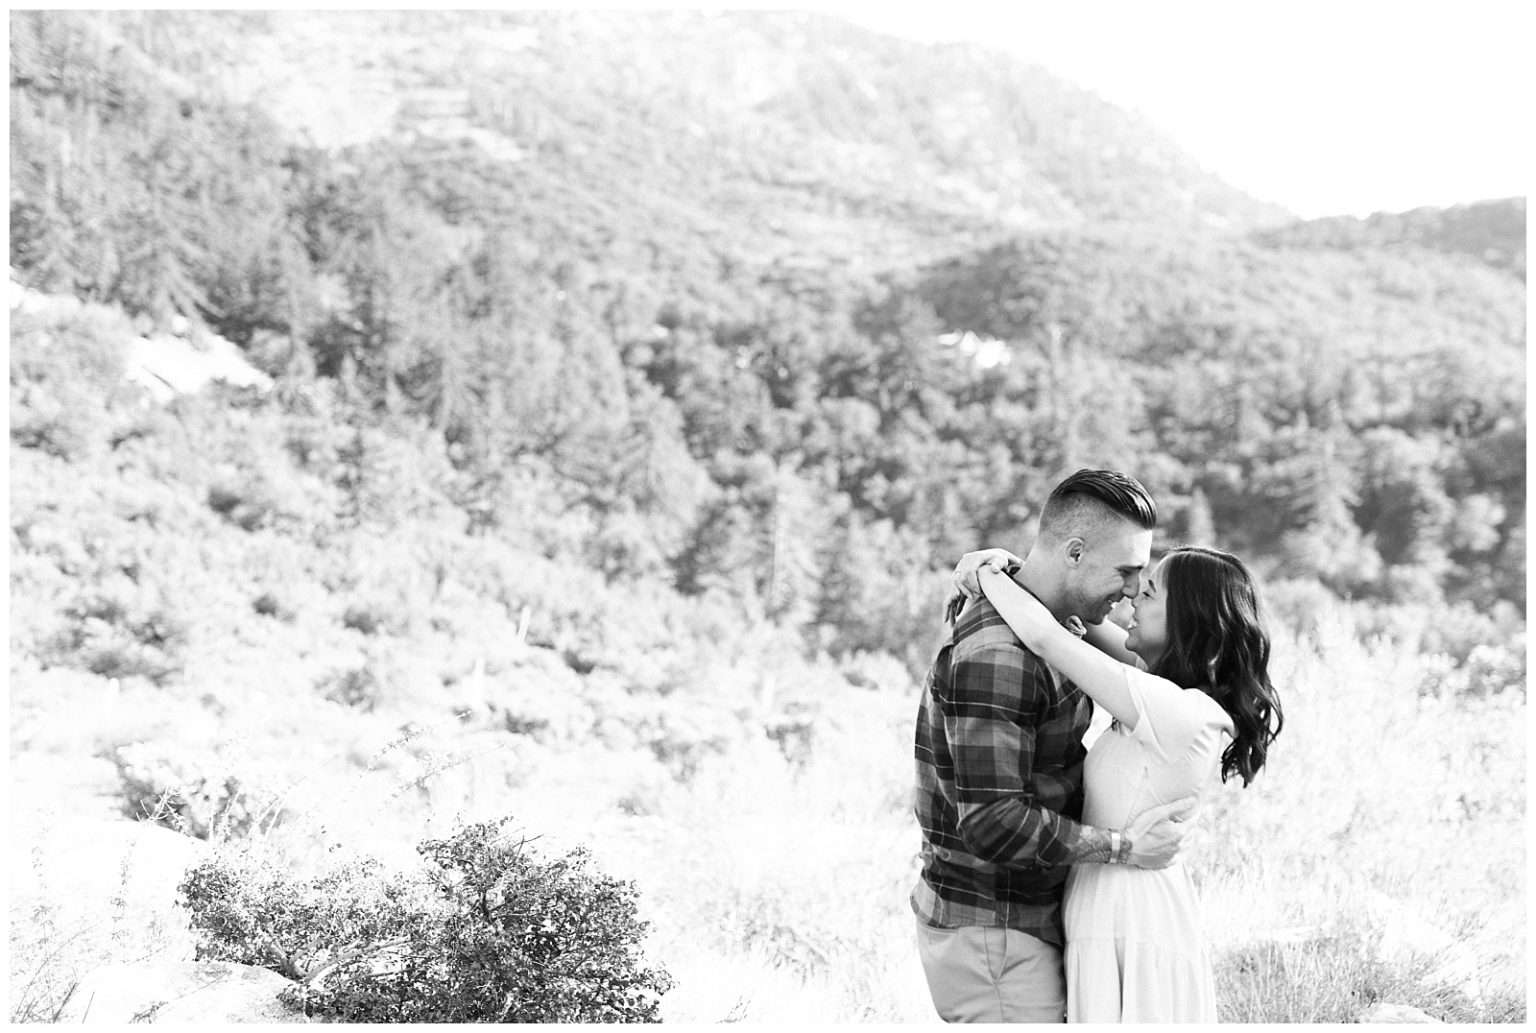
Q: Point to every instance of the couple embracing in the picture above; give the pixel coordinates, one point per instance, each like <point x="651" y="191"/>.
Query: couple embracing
<point x="1050" y="884"/>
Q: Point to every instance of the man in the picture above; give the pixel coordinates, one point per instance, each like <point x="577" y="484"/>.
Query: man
<point x="1000" y="770"/>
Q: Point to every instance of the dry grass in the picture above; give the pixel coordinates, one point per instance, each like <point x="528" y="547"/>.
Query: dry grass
<point x="1379" y="854"/>
<point x="1377" y="858"/>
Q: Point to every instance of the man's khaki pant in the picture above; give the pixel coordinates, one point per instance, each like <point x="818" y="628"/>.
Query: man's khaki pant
<point x="978" y="974"/>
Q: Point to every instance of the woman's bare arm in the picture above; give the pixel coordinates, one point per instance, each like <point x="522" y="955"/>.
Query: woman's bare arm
<point x="1098" y="674"/>
<point x="1106" y="636"/>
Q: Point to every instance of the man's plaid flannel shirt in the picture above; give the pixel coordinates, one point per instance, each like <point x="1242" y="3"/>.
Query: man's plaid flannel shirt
<point x="999" y="782"/>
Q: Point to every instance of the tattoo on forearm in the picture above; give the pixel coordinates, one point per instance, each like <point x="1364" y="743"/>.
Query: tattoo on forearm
<point x="1093" y="848"/>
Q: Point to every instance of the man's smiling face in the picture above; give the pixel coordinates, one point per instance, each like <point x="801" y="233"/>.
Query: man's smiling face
<point x="1105" y="567"/>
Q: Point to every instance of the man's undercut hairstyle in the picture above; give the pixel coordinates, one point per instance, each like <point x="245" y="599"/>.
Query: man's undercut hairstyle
<point x="1089" y="498"/>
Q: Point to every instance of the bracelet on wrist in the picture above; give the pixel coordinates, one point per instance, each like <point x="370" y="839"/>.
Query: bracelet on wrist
<point x="1114" y="846"/>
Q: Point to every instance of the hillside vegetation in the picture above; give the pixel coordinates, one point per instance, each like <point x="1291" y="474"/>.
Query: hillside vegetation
<point x="636" y="381"/>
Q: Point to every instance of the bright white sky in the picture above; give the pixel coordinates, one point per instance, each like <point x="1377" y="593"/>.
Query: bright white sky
<point x="1328" y="108"/>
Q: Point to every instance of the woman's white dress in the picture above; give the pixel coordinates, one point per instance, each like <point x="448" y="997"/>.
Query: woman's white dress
<point x="1135" y="948"/>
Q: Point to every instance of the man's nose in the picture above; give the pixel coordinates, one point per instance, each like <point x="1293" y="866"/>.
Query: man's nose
<point x="1130" y="587"/>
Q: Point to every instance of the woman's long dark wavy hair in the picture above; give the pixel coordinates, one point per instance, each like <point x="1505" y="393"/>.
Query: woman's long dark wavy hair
<point x="1217" y="642"/>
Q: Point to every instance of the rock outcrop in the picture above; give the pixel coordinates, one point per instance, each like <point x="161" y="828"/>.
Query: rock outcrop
<point x="86" y="892"/>
<point x="105" y="879"/>
<point x="1384" y="1011"/>
<point x="200" y="992"/>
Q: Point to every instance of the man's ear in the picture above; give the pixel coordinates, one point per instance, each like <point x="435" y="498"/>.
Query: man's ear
<point x="1075" y="549"/>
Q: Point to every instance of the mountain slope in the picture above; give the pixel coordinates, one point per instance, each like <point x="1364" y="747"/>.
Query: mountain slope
<point x="694" y="268"/>
<point x="1490" y="233"/>
<point x="816" y="137"/>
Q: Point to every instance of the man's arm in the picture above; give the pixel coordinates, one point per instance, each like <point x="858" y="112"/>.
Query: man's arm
<point x="1151" y="841"/>
<point x="993" y="742"/>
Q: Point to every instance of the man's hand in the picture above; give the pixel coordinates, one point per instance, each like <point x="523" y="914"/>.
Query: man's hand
<point x="1000" y="560"/>
<point x="1156" y="835"/>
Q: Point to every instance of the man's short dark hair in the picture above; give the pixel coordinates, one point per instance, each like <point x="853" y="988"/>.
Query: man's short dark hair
<point x="1120" y="493"/>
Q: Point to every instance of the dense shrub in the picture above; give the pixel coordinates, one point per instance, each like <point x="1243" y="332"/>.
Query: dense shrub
<point x="683" y="734"/>
<point x="70" y="345"/>
<point x="1300" y="603"/>
<point x="359" y="687"/>
<point x="386" y="678"/>
<point x="794" y="732"/>
<point x="1457" y="630"/>
<point x="377" y="617"/>
<point x="260" y="493"/>
<point x="484" y="931"/>
<point x="879" y="672"/>
<point x="1487" y="670"/>
<point x="119" y="632"/>
<point x="269" y="605"/>
<point x="65" y="363"/>
<point x="389" y="474"/>
<point x="42" y="421"/>
<point x="196" y="792"/>
<point x="538" y="695"/>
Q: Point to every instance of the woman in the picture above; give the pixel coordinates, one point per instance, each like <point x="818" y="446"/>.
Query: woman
<point x="1189" y="691"/>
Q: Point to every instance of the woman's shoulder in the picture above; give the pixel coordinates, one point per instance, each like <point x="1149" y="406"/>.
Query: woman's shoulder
<point x="1192" y="705"/>
<point x="1213" y="712"/>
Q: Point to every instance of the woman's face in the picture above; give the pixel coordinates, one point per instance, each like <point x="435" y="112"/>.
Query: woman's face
<point x="1148" y="636"/>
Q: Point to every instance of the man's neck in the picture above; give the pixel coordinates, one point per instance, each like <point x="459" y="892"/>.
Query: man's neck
<point x="1035" y="579"/>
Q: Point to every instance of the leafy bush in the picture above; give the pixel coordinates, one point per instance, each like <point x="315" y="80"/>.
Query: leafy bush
<point x="121" y="633"/>
<point x="386" y="678"/>
<point x="261" y="494"/>
<point x="683" y="734"/>
<point x="540" y="696"/>
<point x="483" y="932"/>
<point x="70" y="345"/>
<point x="1491" y="669"/>
<point x="195" y="792"/>
<point x="1490" y="640"/>
<point x="269" y="605"/>
<point x="376" y="617"/>
<point x="359" y="687"/>
<point x="1302" y="604"/>
<point x="1488" y="670"/>
<point x="390" y="474"/>
<point x="794" y="731"/>
<point x="41" y="421"/>
<point x="65" y="363"/>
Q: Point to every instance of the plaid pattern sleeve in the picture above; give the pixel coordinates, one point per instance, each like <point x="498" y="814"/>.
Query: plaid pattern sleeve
<point x="999" y="782"/>
<point x="1000" y="720"/>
